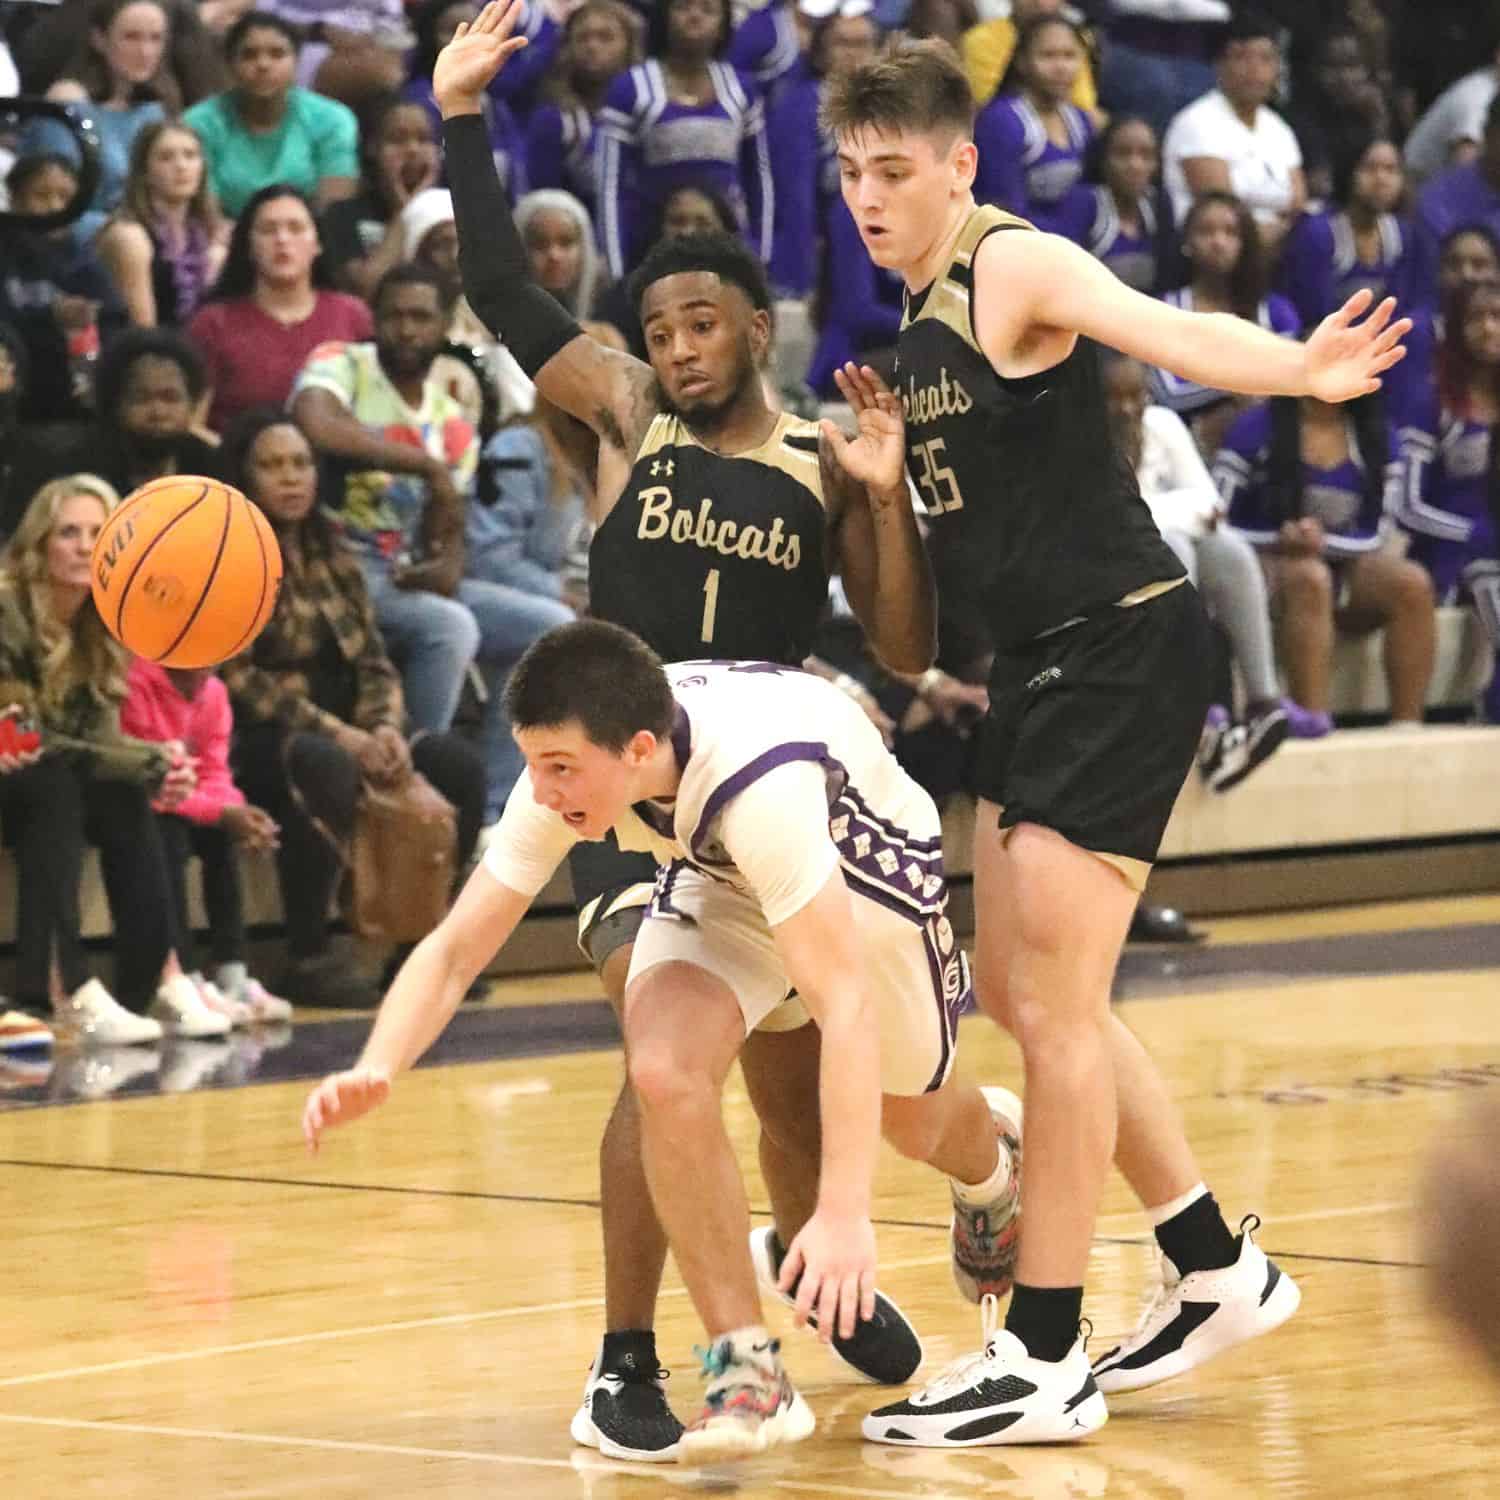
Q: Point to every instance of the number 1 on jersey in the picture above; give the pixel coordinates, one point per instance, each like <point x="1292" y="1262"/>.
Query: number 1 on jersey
<point x="710" y="604"/>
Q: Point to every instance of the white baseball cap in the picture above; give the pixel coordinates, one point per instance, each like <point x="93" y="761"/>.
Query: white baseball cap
<point x="824" y="10"/>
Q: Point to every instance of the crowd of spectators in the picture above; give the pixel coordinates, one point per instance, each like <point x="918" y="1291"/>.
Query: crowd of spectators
<point x="263" y="286"/>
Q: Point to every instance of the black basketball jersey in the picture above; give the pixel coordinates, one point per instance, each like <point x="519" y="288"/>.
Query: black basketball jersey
<point x="706" y="554"/>
<point x="1036" y="516"/>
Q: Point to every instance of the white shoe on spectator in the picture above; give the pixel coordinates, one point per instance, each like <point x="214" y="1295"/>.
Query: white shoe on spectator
<point x="220" y="1002"/>
<point x="95" y="1016"/>
<point x="182" y="1011"/>
<point x="265" y="1008"/>
<point x="22" y="1033"/>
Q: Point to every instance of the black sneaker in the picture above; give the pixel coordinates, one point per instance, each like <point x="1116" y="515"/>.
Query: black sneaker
<point x="1245" y="746"/>
<point x="624" y="1413"/>
<point x="885" y="1349"/>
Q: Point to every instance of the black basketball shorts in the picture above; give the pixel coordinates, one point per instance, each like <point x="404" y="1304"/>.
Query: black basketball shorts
<point x="612" y="888"/>
<point x="1092" y="729"/>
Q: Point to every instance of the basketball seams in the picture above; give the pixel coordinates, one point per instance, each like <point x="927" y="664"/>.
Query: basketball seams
<point x="206" y="588"/>
<point x="146" y="552"/>
<point x="253" y="628"/>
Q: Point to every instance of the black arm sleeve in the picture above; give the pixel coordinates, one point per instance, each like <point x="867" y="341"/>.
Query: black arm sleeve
<point x="530" y="322"/>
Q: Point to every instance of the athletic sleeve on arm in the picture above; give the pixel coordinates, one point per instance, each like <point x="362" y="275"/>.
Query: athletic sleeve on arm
<point x="528" y="844"/>
<point x="776" y="832"/>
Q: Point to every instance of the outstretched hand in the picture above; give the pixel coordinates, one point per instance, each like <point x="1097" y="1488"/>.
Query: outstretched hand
<point x="831" y="1263"/>
<point x="877" y="457"/>
<point x="1345" y="359"/>
<point x="342" y="1097"/>
<point x="476" y="54"/>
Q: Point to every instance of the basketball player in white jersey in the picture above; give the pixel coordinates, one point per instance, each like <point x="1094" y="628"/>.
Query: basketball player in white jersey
<point x="795" y="856"/>
<point x="1097" y="697"/>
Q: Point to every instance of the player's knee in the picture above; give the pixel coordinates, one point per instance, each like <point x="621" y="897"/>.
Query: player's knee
<point x="1053" y="1035"/>
<point x="664" y="1077"/>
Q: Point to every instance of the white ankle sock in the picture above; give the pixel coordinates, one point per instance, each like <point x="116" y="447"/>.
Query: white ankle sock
<point x="975" y="1194"/>
<point x="1175" y="1206"/>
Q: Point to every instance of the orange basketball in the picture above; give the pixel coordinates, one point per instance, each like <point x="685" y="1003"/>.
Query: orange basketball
<point x="186" y="571"/>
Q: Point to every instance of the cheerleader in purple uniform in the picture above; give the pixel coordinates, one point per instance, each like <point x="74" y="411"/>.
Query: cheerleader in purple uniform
<point x="1120" y="214"/>
<point x="1450" y="489"/>
<point x="804" y="164"/>
<point x="598" y="42"/>
<point x="1032" y="141"/>
<point x="1363" y="242"/>
<point x="1225" y="273"/>
<point x="1309" y="486"/>
<point x="682" y="115"/>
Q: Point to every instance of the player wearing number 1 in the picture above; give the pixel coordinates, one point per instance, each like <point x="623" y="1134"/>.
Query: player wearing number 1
<point x="717" y="525"/>
<point x="1101" y="679"/>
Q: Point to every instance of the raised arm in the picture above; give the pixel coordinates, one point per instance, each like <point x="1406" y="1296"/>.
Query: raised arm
<point x="1027" y="283"/>
<point x="612" y="392"/>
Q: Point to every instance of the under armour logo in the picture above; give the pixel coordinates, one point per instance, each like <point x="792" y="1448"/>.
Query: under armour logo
<point x="1052" y="674"/>
<point x="661" y="466"/>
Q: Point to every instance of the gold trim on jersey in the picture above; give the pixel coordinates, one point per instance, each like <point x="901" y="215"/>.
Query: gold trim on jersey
<point x="950" y="297"/>
<point x="791" y="446"/>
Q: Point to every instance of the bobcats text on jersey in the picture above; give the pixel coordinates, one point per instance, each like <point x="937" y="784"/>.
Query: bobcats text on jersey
<point x="661" y="517"/>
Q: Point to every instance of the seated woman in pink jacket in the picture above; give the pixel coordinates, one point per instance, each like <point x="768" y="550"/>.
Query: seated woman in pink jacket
<point x="192" y="709"/>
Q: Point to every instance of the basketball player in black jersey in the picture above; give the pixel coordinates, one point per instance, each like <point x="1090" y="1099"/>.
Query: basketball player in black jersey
<point x="1098" y="694"/>
<point x="717" y="524"/>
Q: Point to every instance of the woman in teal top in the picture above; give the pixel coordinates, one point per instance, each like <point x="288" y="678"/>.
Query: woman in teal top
<point x="265" y="129"/>
<point x="118" y="80"/>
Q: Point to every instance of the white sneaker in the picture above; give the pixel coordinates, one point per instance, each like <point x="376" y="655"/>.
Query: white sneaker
<point x="219" y="1002"/>
<point x="750" y="1404"/>
<point x="265" y="1008"/>
<point x="1001" y="1395"/>
<point x="96" y="1017"/>
<point x="1194" y="1317"/>
<point x="985" y="1238"/>
<point x="181" y="1010"/>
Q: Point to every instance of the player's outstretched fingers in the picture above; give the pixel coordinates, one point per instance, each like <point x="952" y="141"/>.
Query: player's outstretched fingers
<point x="1342" y="317"/>
<point x="876" y="382"/>
<point x="828" y="1305"/>
<point x="848" y="381"/>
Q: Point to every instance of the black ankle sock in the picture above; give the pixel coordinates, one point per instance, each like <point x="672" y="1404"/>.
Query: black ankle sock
<point x="1045" y="1319"/>
<point x="1198" y="1239"/>
<point x="631" y="1349"/>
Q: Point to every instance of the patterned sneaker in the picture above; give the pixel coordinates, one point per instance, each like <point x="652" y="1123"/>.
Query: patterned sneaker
<point x="1211" y="741"/>
<point x="750" y="1404"/>
<point x="95" y="1018"/>
<point x="20" y="1032"/>
<point x="624" y="1413"/>
<point x="1245" y="746"/>
<point x="986" y="1237"/>
<point x="1000" y="1395"/>
<point x="1194" y="1317"/>
<point x="885" y="1349"/>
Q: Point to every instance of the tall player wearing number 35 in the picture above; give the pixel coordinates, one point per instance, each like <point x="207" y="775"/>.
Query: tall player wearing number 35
<point x="1097" y="696"/>
<point x="718" y="522"/>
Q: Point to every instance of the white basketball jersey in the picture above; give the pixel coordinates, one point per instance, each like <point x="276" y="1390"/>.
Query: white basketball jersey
<point x="738" y="722"/>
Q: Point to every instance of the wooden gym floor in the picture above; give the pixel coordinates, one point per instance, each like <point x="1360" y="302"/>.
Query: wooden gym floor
<point x="193" y="1307"/>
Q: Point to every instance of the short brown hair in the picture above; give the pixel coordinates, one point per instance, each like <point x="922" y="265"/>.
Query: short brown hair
<point x="915" y="86"/>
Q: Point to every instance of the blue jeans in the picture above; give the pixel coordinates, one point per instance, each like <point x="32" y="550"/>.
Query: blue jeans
<point x="433" y="640"/>
<point x="509" y="620"/>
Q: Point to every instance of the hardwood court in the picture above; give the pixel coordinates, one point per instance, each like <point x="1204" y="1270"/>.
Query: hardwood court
<point x="193" y="1307"/>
